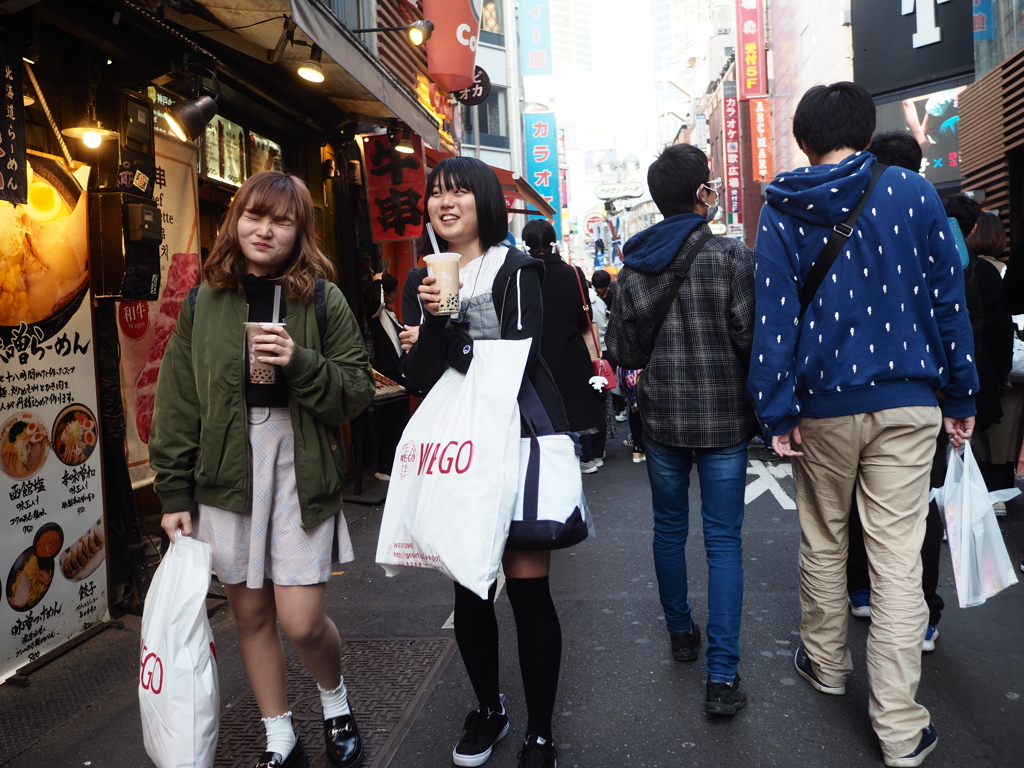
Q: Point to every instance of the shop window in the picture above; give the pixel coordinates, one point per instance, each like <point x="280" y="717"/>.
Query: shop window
<point x="492" y="115"/>
<point x="491" y="29"/>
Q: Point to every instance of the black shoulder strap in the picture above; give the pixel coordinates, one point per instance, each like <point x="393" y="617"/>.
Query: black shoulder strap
<point x="320" y="308"/>
<point x="840" y="234"/>
<point x="673" y="288"/>
<point x="193" y="294"/>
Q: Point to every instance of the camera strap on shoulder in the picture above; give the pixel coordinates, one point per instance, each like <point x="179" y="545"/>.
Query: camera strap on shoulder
<point x="840" y="234"/>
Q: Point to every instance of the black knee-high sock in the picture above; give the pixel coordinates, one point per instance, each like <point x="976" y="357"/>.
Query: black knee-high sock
<point x="540" y="649"/>
<point x="476" y="632"/>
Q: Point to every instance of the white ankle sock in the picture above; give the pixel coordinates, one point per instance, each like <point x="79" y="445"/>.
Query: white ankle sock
<point x="335" y="703"/>
<point x="280" y="734"/>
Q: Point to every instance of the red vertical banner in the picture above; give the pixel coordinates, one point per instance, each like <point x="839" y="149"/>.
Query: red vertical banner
<point x="762" y="157"/>
<point x="733" y="177"/>
<point x="396" y="186"/>
<point x="752" y="66"/>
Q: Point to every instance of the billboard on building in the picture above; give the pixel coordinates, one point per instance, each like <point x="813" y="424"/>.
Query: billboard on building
<point x="751" y="57"/>
<point x="761" y="154"/>
<point x="934" y="120"/>
<point x="535" y="36"/>
<point x="542" y="159"/>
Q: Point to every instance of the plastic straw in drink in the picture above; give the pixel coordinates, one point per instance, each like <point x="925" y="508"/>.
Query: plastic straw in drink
<point x="433" y="240"/>
<point x="277" y="304"/>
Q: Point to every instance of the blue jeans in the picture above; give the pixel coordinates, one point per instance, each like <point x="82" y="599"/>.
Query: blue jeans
<point x="722" y="473"/>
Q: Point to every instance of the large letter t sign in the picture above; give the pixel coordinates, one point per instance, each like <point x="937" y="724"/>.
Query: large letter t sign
<point x="927" y="30"/>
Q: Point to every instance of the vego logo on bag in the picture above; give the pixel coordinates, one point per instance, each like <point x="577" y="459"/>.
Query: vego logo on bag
<point x="151" y="670"/>
<point x="436" y="458"/>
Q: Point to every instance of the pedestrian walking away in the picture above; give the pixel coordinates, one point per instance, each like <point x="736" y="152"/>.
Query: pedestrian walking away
<point x="861" y="319"/>
<point x="684" y="313"/>
<point x="500" y="298"/>
<point x="567" y="318"/>
<point x="247" y="450"/>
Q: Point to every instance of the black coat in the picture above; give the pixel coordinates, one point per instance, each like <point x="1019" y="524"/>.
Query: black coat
<point x="565" y="322"/>
<point x="440" y="342"/>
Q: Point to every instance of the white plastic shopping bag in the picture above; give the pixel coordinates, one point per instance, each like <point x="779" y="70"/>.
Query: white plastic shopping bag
<point x="179" y="693"/>
<point x="981" y="566"/>
<point x="456" y="472"/>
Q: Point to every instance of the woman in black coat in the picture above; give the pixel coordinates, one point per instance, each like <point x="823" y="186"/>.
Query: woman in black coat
<point x="567" y="316"/>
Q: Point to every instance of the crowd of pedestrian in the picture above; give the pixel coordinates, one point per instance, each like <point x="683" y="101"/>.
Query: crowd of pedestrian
<point x="868" y="333"/>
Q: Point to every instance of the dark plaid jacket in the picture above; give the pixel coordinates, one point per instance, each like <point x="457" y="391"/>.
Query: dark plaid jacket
<point x="692" y="392"/>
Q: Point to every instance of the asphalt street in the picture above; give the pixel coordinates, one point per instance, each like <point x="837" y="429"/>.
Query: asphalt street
<point x="622" y="700"/>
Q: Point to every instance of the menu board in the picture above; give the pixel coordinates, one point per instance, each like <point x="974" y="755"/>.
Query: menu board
<point x="145" y="327"/>
<point x="223" y="152"/>
<point x="264" y="154"/>
<point x="53" y="545"/>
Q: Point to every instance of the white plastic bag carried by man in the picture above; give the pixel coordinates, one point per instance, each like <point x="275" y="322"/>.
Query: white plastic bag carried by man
<point x="179" y="693"/>
<point x="981" y="566"/>
<point x="456" y="472"/>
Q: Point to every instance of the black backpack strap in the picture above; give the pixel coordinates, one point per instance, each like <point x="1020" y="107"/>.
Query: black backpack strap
<point x="320" y="308"/>
<point x="840" y="234"/>
<point x="193" y="294"/>
<point x="677" y="280"/>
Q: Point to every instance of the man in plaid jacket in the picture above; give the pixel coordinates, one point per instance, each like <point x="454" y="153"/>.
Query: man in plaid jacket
<point x="693" y="402"/>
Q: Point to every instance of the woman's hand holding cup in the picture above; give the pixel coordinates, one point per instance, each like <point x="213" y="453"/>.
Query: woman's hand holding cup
<point x="430" y="294"/>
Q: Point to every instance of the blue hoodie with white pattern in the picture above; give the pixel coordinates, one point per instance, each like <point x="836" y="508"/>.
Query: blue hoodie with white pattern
<point x="888" y="326"/>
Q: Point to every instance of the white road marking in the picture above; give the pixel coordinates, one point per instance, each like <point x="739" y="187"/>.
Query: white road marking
<point x="767" y="475"/>
<point x="450" y="623"/>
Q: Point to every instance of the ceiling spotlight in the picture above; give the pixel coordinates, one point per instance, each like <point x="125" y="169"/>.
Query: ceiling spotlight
<point x="90" y="130"/>
<point x="404" y="146"/>
<point x="311" y="70"/>
<point x="419" y="32"/>
<point x="190" y="117"/>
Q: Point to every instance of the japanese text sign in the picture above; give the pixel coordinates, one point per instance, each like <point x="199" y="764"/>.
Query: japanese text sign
<point x="761" y="140"/>
<point x="984" y="22"/>
<point x="542" y="160"/>
<point x="13" y="167"/>
<point x="751" y="66"/>
<point x="395" y="188"/>
<point x="451" y="53"/>
<point x="535" y="36"/>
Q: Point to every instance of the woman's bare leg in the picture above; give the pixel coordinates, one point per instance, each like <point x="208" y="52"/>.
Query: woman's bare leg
<point x="259" y="645"/>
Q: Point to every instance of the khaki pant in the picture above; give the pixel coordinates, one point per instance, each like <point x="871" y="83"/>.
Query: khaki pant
<point x="885" y="457"/>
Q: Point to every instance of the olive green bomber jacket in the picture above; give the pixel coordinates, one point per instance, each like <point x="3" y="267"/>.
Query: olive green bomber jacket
<point x="199" y="444"/>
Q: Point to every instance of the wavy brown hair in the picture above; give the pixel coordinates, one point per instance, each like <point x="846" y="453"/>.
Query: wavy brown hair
<point x="271" y="193"/>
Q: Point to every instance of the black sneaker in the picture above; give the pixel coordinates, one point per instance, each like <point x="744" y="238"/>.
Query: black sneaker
<point x="802" y="662"/>
<point x="929" y="738"/>
<point x="685" y="647"/>
<point x="480" y="733"/>
<point x="537" y="753"/>
<point x="724" y="698"/>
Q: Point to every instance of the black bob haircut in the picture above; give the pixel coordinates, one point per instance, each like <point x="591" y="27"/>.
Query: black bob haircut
<point x="897" y="148"/>
<point x="831" y="117"/>
<point x="600" y="279"/>
<point x="674" y="178"/>
<point x="965" y="210"/>
<point x="473" y="175"/>
<point x="538" y="235"/>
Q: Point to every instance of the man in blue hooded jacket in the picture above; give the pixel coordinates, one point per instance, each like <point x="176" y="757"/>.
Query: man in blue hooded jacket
<point x="692" y="401"/>
<point x="848" y="389"/>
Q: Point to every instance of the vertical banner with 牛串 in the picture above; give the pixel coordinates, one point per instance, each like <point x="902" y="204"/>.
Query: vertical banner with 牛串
<point x="535" y="36"/>
<point x="751" y="58"/>
<point x="762" y="158"/>
<point x="145" y="327"/>
<point x="396" y="186"/>
<point x="542" y="160"/>
<point x="13" y="166"/>
<point x="53" y="540"/>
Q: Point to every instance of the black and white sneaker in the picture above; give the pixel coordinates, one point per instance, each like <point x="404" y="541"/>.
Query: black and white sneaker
<point x="802" y="662"/>
<point x="480" y="733"/>
<point x="537" y="753"/>
<point x="929" y="738"/>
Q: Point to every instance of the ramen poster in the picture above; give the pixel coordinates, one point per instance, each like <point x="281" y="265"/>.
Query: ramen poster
<point x="53" y="543"/>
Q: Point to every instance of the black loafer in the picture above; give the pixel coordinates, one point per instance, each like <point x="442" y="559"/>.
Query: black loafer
<point x="344" y="744"/>
<point x="297" y="758"/>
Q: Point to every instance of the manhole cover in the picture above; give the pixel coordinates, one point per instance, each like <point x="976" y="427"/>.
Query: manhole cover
<point x="388" y="681"/>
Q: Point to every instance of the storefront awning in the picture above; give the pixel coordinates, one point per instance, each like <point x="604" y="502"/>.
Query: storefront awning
<point x="354" y="80"/>
<point x="515" y="188"/>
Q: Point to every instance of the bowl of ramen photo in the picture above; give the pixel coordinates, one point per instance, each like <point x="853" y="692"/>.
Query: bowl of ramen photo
<point x="23" y="445"/>
<point x="74" y="435"/>
<point x="44" y="250"/>
<point x="29" y="579"/>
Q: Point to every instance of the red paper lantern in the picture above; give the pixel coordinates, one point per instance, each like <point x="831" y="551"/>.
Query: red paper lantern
<point x="451" y="51"/>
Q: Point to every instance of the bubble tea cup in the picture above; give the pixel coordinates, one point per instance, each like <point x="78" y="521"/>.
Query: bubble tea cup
<point x="445" y="267"/>
<point x="259" y="373"/>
